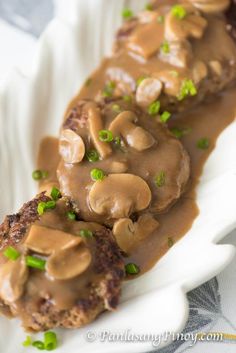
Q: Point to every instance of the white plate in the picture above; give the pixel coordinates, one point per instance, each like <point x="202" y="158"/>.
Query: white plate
<point x="32" y="105"/>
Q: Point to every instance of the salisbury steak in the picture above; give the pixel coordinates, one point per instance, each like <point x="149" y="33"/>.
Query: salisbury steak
<point x="56" y="270"/>
<point x="118" y="160"/>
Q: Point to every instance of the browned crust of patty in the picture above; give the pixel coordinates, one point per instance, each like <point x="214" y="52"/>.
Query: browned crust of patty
<point x="108" y="265"/>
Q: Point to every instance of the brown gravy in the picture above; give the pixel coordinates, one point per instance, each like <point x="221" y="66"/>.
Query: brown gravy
<point x="205" y="120"/>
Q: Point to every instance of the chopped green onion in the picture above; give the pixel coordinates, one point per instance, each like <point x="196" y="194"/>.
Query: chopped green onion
<point x="39" y="174"/>
<point x="160" y="19"/>
<point x="203" y="143"/>
<point x="11" y="253"/>
<point x="50" y="340"/>
<point x="88" y="82"/>
<point x="127" y="13"/>
<point x="92" y="156"/>
<point x="85" y="233"/>
<point x="27" y="342"/>
<point x="116" y="108"/>
<point x="41" y="208"/>
<point x="109" y="89"/>
<point x="188" y="88"/>
<point x="165" y="116"/>
<point x="140" y="80"/>
<point x="160" y="179"/>
<point x="105" y="136"/>
<point x="127" y="98"/>
<point x="149" y="7"/>
<point x="71" y="215"/>
<point x="55" y="193"/>
<point x="50" y="205"/>
<point x="39" y="345"/>
<point x="170" y="242"/>
<point x="165" y="47"/>
<point x="35" y="262"/>
<point x="154" y="108"/>
<point x="132" y="269"/>
<point x="97" y="174"/>
<point x="180" y="132"/>
<point x="179" y="12"/>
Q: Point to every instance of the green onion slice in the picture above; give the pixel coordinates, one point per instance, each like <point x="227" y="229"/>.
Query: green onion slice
<point x="154" y="108"/>
<point x="27" y="342"/>
<point x="39" y="345"/>
<point x="55" y="193"/>
<point x="11" y="253"/>
<point x="105" y="136"/>
<point x="50" y="341"/>
<point x="165" y="116"/>
<point x="97" y="174"/>
<point x="35" y="262"/>
<point x="86" y="233"/>
<point x="203" y="143"/>
<point x="39" y="174"/>
<point x="127" y="13"/>
<point x="160" y="179"/>
<point x="165" y="47"/>
<point x="132" y="269"/>
<point x="71" y="215"/>
<point x="92" y="156"/>
<point x="179" y="12"/>
<point x="188" y="89"/>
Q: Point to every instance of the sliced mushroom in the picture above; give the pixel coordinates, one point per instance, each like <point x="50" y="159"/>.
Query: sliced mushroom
<point x="148" y="91"/>
<point x="135" y="136"/>
<point x="71" y="146"/>
<point x="172" y="81"/>
<point x="69" y="263"/>
<point x="118" y="167"/>
<point x="191" y="26"/>
<point x="95" y="125"/>
<point x="143" y="39"/>
<point x="129" y="234"/>
<point x="13" y="275"/>
<point x="211" y="6"/>
<point x="45" y="240"/>
<point x="119" y="195"/>
<point x="180" y="54"/>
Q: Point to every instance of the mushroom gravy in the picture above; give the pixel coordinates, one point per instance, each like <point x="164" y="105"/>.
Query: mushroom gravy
<point x="206" y="120"/>
<point x="146" y="70"/>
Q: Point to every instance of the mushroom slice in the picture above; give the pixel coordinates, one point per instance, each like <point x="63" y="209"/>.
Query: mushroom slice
<point x="69" y="263"/>
<point x="13" y="275"/>
<point x="129" y="234"/>
<point x="119" y="195"/>
<point x="118" y="167"/>
<point x="45" y="240"/>
<point x="135" y="136"/>
<point x="71" y="146"/>
<point x="211" y="6"/>
<point x="95" y="125"/>
<point x="191" y="26"/>
<point x="148" y="91"/>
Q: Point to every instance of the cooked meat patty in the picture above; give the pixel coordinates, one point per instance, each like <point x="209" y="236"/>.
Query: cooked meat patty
<point x="158" y="55"/>
<point x="57" y="271"/>
<point x="117" y="160"/>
